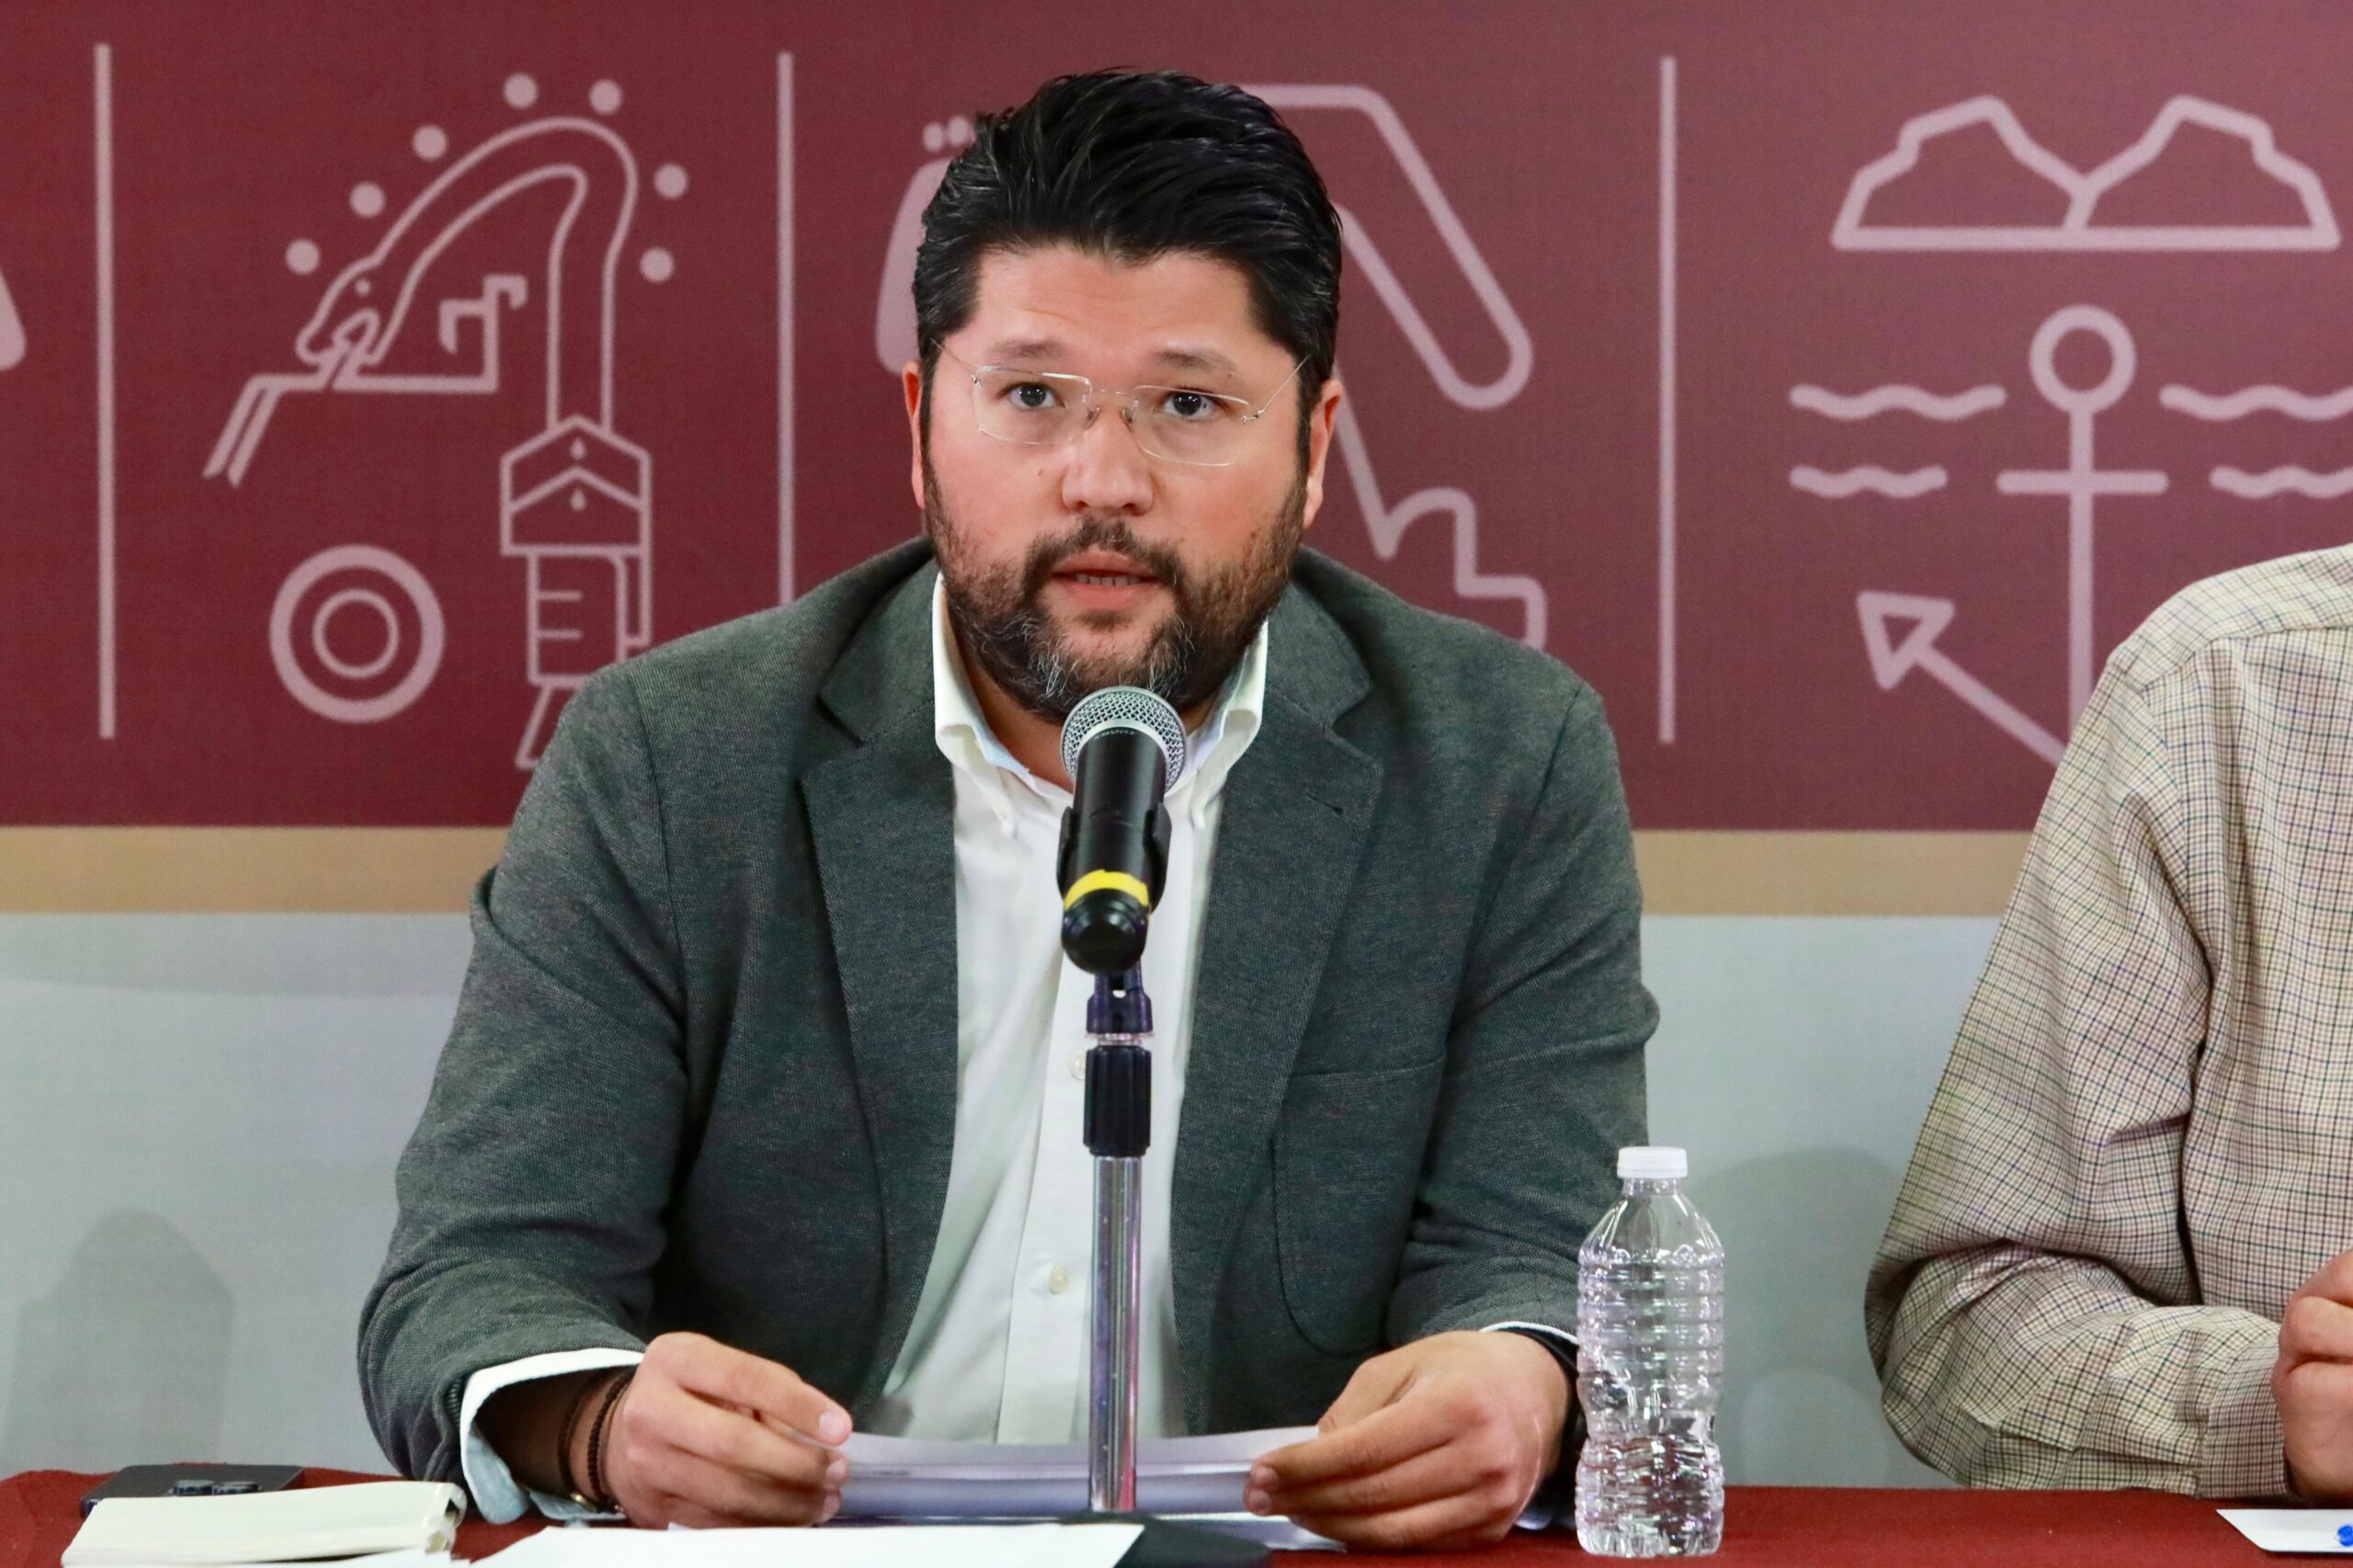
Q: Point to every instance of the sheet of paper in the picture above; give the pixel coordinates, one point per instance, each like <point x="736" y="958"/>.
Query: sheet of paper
<point x="371" y="1560"/>
<point x="2305" y="1530"/>
<point x="1276" y="1534"/>
<point x="909" y="1479"/>
<point x="872" y="1546"/>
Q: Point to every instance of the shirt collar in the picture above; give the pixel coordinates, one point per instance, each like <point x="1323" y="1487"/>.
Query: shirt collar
<point x="971" y="748"/>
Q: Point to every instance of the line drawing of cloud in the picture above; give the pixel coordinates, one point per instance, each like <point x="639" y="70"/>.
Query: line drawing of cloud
<point x="2080" y="230"/>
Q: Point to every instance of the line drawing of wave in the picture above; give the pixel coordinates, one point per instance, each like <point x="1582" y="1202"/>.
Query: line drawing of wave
<point x="1911" y="400"/>
<point x="2299" y="481"/>
<point x="2257" y="400"/>
<point x="1878" y="480"/>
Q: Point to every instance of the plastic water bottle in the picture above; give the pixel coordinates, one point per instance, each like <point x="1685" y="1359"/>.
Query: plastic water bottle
<point x="1650" y="1356"/>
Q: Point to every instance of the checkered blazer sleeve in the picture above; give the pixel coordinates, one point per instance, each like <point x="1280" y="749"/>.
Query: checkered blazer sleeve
<point x="2034" y="1310"/>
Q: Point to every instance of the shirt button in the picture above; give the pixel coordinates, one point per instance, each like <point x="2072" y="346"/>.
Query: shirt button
<point x="1057" y="1281"/>
<point x="1078" y="1066"/>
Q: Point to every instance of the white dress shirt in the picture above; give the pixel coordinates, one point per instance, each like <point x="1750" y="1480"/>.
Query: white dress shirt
<point x="998" y="1350"/>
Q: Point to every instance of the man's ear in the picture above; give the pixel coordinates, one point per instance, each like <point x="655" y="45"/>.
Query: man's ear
<point x="1320" y="421"/>
<point x="911" y="383"/>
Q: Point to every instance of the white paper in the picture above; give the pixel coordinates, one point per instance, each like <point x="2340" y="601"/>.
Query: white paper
<point x="873" y="1546"/>
<point x="2305" y="1530"/>
<point x="901" y="1478"/>
<point x="371" y="1560"/>
<point x="270" y="1526"/>
<point x="1276" y="1534"/>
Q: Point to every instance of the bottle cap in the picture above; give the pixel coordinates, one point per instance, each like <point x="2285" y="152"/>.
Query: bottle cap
<point x="1653" y="1164"/>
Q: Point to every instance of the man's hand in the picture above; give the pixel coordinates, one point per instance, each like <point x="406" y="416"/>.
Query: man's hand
<point x="2313" y="1382"/>
<point x="1439" y="1443"/>
<point x="710" y="1436"/>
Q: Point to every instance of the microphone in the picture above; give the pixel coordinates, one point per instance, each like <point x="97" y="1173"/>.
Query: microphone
<point x="1122" y="747"/>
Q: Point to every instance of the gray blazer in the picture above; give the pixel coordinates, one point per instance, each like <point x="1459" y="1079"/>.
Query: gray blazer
<point x="703" y="1070"/>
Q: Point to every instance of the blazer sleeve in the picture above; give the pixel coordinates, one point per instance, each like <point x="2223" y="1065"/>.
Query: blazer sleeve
<point x="531" y="1195"/>
<point x="1544" y="1080"/>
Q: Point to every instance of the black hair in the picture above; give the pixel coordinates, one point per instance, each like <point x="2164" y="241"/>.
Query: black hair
<point x="1133" y="165"/>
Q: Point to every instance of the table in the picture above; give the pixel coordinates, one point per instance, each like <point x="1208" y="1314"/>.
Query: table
<point x="1785" y="1526"/>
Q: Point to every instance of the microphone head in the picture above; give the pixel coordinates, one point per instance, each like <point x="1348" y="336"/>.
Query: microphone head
<point x="1125" y="708"/>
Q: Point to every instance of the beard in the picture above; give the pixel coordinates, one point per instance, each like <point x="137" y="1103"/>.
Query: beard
<point x="999" y="614"/>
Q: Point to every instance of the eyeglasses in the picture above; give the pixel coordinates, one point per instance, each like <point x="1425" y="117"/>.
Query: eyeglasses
<point x="1045" y="408"/>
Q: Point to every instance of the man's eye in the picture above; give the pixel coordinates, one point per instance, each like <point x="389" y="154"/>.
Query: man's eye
<point x="1191" y="407"/>
<point x="1030" y="397"/>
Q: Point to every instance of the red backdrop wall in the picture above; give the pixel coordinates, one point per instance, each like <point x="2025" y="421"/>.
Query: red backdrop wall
<point x="370" y="373"/>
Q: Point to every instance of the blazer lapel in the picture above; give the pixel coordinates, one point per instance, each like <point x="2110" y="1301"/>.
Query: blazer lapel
<point x="881" y="818"/>
<point x="1296" y="812"/>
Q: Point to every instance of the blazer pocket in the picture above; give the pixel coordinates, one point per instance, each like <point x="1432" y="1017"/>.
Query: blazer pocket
<point x="1348" y="1151"/>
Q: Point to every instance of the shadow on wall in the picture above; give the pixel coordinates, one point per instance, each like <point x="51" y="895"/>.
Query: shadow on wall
<point x="133" y="1343"/>
<point x="1800" y="1399"/>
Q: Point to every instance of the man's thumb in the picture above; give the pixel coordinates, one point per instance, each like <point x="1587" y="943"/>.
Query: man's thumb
<point x="1374" y="1387"/>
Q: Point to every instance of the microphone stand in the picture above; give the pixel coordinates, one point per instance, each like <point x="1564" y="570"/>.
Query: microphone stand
<point x="1118" y="1131"/>
<point x="1110" y="868"/>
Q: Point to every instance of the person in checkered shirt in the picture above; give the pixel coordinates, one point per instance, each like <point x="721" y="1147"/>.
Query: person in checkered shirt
<point x="2119" y="1257"/>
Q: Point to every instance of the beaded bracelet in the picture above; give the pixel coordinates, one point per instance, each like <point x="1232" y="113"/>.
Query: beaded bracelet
<point x="603" y="1501"/>
<point x="563" y="1443"/>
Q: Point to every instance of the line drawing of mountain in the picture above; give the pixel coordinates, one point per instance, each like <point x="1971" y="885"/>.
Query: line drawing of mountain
<point x="2080" y="230"/>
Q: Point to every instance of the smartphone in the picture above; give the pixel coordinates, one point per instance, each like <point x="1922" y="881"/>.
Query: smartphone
<point x="191" y="1481"/>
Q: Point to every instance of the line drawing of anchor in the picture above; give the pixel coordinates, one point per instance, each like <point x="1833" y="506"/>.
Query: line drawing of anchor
<point x="894" y="332"/>
<point x="1900" y="631"/>
<point x="2082" y="481"/>
<point x="576" y="500"/>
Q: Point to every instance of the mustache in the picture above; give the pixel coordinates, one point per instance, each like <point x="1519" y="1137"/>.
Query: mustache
<point x="1101" y="533"/>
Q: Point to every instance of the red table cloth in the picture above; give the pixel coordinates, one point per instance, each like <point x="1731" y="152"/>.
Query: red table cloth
<point x="1798" y="1527"/>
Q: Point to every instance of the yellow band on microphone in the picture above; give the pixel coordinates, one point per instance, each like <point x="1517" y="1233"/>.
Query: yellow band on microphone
<point x="1120" y="881"/>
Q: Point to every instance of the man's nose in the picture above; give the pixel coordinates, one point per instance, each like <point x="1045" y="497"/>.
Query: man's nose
<point x="1104" y="470"/>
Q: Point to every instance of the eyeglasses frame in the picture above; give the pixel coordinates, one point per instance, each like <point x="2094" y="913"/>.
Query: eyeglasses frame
<point x="1092" y="403"/>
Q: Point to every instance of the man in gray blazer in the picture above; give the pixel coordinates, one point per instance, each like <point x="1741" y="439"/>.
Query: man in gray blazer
<point x="751" y="1127"/>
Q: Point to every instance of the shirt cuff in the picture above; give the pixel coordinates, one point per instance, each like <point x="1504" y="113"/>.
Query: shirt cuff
<point x="1559" y="1339"/>
<point x="2243" y="1452"/>
<point x="489" y="1480"/>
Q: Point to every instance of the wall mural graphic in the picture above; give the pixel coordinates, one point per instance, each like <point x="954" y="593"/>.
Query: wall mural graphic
<point x="1833" y="389"/>
<point x="1901" y="630"/>
<point x="575" y="499"/>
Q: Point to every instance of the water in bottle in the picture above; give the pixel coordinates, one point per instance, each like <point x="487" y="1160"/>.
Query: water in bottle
<point x="1650" y="1357"/>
